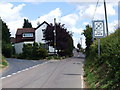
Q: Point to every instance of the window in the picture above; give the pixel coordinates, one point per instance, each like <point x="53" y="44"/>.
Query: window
<point x="27" y="34"/>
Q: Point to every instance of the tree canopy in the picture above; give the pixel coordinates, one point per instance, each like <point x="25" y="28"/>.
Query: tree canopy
<point x="6" y="45"/>
<point x="5" y="33"/>
<point x="79" y="45"/>
<point x="88" y="34"/>
<point x="64" y="41"/>
<point x="27" y="24"/>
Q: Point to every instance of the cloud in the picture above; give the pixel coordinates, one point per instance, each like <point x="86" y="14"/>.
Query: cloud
<point x="10" y="13"/>
<point x="112" y="26"/>
<point x="70" y="20"/>
<point x="85" y="23"/>
<point x="58" y="1"/>
<point x="88" y="11"/>
<point x="12" y="16"/>
<point x="56" y="13"/>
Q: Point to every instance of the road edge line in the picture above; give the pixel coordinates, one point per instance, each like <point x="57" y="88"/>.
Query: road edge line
<point x="23" y="70"/>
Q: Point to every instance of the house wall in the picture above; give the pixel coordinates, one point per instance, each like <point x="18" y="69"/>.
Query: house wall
<point x="51" y="49"/>
<point x="39" y="36"/>
<point x="19" y="46"/>
<point x="18" y="38"/>
<point x="39" y="33"/>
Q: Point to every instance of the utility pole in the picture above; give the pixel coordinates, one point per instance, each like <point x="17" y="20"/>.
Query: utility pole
<point x="106" y="17"/>
<point x="54" y="35"/>
<point x="81" y="41"/>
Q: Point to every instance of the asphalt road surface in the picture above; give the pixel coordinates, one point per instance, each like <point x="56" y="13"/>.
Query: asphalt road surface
<point x="16" y="65"/>
<point x="53" y="74"/>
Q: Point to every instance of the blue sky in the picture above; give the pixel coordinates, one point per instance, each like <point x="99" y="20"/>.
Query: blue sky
<point x="74" y="15"/>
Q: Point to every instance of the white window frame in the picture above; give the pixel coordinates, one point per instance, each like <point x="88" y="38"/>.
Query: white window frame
<point x="27" y="34"/>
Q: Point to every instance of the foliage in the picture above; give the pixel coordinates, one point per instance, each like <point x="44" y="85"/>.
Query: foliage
<point x="64" y="41"/>
<point x="42" y="53"/>
<point x="7" y="49"/>
<point x="6" y="45"/>
<point x="104" y="71"/>
<point x="34" y="51"/>
<point x="88" y="34"/>
<point x="27" y="24"/>
<point x="55" y="57"/>
<point x="49" y="35"/>
<point x="79" y="46"/>
<point x="3" y="62"/>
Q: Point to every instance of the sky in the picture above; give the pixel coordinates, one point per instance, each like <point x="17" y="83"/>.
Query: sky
<point x="75" y="15"/>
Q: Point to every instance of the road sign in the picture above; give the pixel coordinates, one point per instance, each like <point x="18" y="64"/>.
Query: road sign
<point x="98" y="32"/>
<point x="98" y="29"/>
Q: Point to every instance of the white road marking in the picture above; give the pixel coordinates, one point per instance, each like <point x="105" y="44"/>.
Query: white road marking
<point x="23" y="70"/>
<point x="82" y="79"/>
<point x="27" y="69"/>
<point x="82" y="84"/>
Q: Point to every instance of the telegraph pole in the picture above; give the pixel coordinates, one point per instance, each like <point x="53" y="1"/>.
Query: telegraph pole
<point x="54" y="35"/>
<point x="106" y="17"/>
<point x="81" y="41"/>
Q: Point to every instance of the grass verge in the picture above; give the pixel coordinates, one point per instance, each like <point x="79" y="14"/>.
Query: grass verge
<point x="3" y="63"/>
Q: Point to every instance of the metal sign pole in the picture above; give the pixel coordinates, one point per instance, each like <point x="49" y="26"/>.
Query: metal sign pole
<point x="98" y="32"/>
<point x="54" y="35"/>
<point x="98" y="47"/>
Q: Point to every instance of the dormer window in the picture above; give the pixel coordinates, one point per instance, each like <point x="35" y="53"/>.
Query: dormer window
<point x="27" y="34"/>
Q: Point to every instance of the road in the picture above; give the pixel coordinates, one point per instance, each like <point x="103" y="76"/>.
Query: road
<point x="53" y="74"/>
<point x="16" y="65"/>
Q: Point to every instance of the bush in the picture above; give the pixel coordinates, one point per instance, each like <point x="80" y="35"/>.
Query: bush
<point x="54" y="57"/>
<point x="7" y="49"/>
<point x="104" y="69"/>
<point x="3" y="62"/>
<point x="34" y="51"/>
<point x="42" y="53"/>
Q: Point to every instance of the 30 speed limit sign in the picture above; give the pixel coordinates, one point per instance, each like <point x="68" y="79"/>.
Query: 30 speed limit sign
<point x="98" y="29"/>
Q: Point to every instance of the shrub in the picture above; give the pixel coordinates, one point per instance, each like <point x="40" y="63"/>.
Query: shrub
<point x="34" y="51"/>
<point x="3" y="62"/>
<point x="104" y="69"/>
<point x="42" y="53"/>
<point x="7" y="49"/>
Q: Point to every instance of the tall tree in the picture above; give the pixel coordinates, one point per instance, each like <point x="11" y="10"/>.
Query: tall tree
<point x="88" y="34"/>
<point x="64" y="41"/>
<point x="6" y="45"/>
<point x="5" y="33"/>
<point x="27" y="24"/>
<point x="79" y="45"/>
<point x="48" y="35"/>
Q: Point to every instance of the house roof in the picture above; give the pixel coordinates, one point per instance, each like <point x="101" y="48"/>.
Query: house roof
<point x="12" y="39"/>
<point x="27" y="30"/>
<point x="24" y="30"/>
<point x="42" y="24"/>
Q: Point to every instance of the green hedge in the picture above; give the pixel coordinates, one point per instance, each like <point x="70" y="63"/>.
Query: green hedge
<point x="104" y="71"/>
<point x="3" y="62"/>
<point x="7" y="49"/>
<point x="34" y="51"/>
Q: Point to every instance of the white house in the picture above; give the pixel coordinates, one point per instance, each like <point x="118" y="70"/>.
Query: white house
<point x="29" y="35"/>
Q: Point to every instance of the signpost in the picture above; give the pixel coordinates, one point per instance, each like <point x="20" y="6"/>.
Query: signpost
<point x="98" y="32"/>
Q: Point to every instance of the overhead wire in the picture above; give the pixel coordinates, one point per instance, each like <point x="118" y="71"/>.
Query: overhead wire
<point x="95" y="10"/>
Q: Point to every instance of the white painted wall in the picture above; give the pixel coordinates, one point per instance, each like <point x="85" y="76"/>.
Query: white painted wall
<point x="39" y="36"/>
<point x="51" y="49"/>
<point x="39" y="33"/>
<point x="38" y="39"/>
<point x="19" y="46"/>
